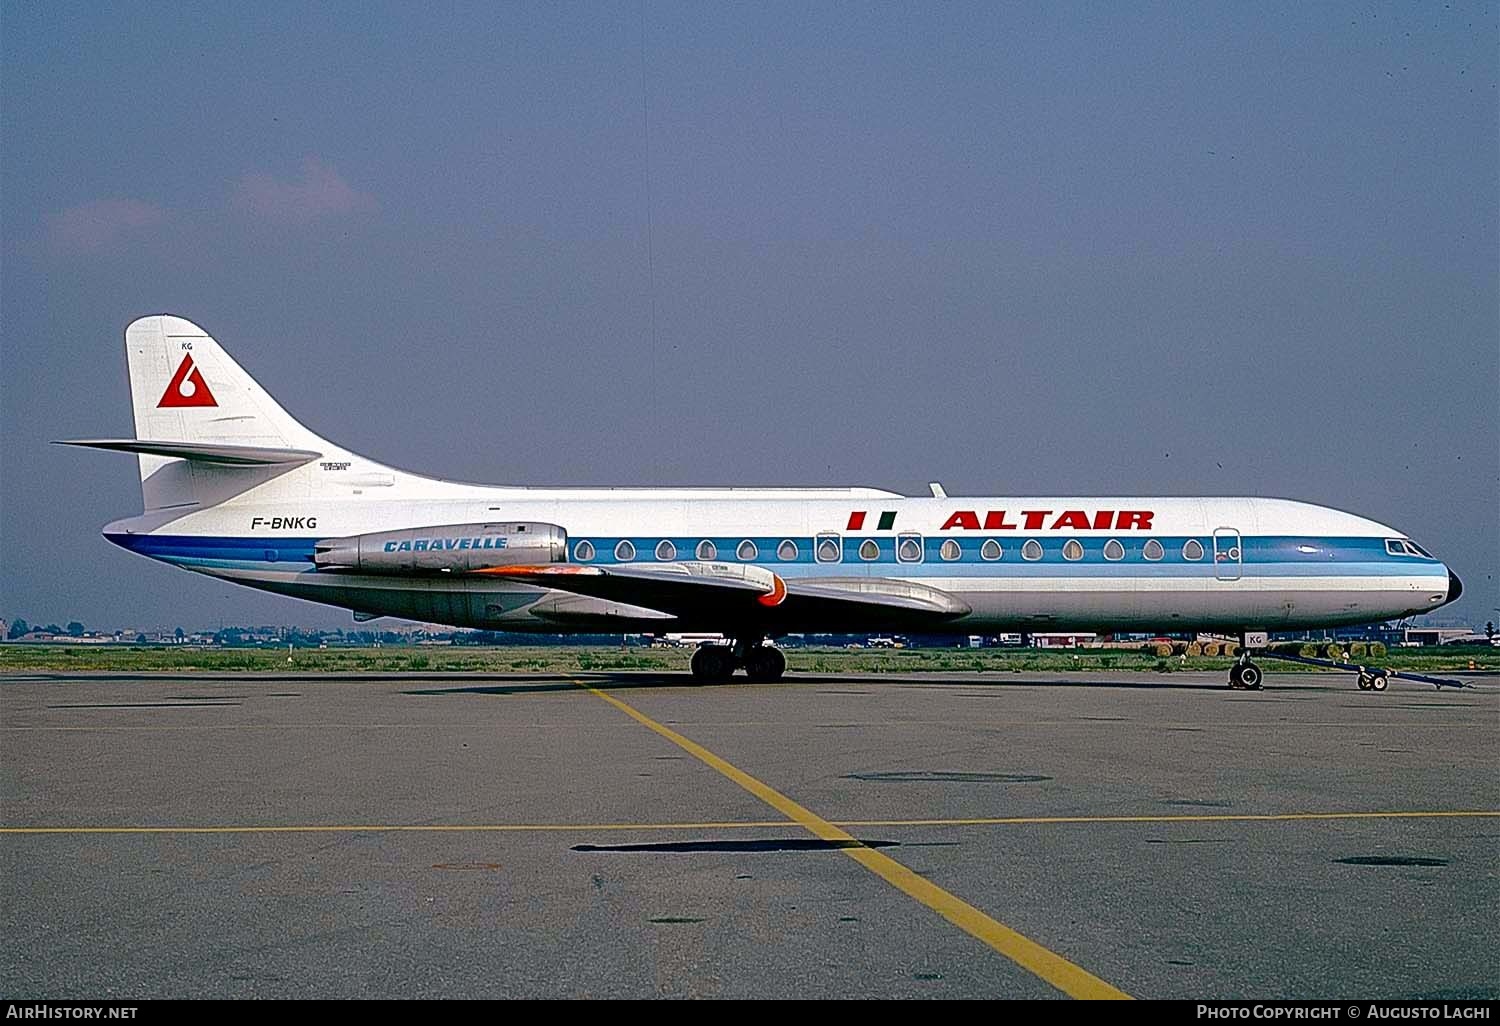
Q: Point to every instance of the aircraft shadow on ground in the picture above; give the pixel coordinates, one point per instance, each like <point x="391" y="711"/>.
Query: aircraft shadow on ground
<point x="625" y="681"/>
<point x="734" y="847"/>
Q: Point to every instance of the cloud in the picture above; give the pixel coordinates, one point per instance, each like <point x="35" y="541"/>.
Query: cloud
<point x="321" y="192"/>
<point x="90" y="227"/>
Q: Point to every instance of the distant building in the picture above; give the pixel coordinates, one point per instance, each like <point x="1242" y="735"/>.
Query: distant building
<point x="1063" y="640"/>
<point x="1387" y="634"/>
<point x="1416" y="636"/>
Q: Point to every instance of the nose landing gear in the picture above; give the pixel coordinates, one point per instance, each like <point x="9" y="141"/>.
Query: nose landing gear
<point x="1245" y="675"/>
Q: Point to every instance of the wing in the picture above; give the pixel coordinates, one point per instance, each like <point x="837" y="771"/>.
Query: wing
<point x="743" y="595"/>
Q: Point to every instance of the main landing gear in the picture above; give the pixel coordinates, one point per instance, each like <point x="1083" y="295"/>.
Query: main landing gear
<point x="1371" y="680"/>
<point x="715" y="664"/>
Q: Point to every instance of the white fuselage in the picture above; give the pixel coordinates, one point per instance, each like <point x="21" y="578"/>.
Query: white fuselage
<point x="1103" y="564"/>
<point x="235" y="487"/>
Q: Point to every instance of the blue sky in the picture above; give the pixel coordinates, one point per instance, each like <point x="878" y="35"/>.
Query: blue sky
<point x="1085" y="248"/>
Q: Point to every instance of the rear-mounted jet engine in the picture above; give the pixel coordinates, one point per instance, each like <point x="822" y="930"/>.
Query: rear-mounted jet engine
<point x="452" y="549"/>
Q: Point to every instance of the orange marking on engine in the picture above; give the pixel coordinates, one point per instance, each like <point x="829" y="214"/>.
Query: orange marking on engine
<point x="776" y="595"/>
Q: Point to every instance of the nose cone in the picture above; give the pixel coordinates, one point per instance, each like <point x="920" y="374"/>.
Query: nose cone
<point x="1455" y="588"/>
<point x="118" y="531"/>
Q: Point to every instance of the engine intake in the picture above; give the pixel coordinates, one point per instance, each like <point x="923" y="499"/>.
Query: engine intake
<point x="453" y="548"/>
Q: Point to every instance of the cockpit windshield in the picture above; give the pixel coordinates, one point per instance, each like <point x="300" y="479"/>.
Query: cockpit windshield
<point x="1405" y="547"/>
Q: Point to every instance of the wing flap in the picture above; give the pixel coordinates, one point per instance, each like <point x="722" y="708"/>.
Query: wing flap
<point x="717" y="589"/>
<point x="879" y="592"/>
<point x="744" y="595"/>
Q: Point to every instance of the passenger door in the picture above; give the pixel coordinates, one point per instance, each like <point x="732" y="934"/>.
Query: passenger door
<point x="1228" y="554"/>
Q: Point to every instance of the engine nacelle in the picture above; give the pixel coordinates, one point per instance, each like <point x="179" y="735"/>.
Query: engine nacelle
<point x="452" y="549"/>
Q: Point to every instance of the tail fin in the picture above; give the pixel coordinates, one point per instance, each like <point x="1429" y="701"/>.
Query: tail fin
<point x="206" y="433"/>
<point x="184" y="387"/>
<point x="187" y="390"/>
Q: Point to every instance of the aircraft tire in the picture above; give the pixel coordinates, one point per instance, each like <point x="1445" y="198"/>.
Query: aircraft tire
<point x="765" y="664"/>
<point x="1364" y="681"/>
<point x="1250" y="676"/>
<point x="1378" y="682"/>
<point x="712" y="664"/>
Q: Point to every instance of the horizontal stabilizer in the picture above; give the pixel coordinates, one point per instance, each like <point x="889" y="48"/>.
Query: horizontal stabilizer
<point x="202" y="452"/>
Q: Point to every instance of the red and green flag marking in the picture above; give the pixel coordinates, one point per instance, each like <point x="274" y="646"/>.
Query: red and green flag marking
<point x="857" y="521"/>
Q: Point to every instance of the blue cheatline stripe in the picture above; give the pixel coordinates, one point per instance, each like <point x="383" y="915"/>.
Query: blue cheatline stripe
<point x="180" y="548"/>
<point x="1278" y="556"/>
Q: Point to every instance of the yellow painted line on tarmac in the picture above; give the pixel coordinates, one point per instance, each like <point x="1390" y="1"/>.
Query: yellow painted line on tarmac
<point x="841" y="725"/>
<point x="200" y="727"/>
<point x="1025" y="952"/>
<point x="1280" y="817"/>
<point x="394" y="828"/>
<point x="770" y="824"/>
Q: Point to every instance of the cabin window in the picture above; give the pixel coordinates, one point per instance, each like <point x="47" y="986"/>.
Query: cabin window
<point x="951" y="550"/>
<point x="747" y="550"/>
<point x="1072" y="550"/>
<point x="991" y="550"/>
<point x="624" y="552"/>
<point x="830" y="549"/>
<point x="909" y="548"/>
<point x="868" y="550"/>
<point x="1032" y="550"/>
<point x="1113" y="550"/>
<point x="1153" y="550"/>
<point x="786" y="551"/>
<point x="666" y="551"/>
<point x="1192" y="550"/>
<point x="583" y="551"/>
<point x="707" y="550"/>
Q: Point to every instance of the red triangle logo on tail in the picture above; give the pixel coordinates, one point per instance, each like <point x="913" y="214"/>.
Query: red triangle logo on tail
<point x="188" y="387"/>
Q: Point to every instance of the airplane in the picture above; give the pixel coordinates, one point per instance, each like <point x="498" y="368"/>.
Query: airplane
<point x="234" y="487"/>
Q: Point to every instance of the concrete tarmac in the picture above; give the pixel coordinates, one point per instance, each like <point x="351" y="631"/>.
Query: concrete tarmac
<point x="635" y="835"/>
